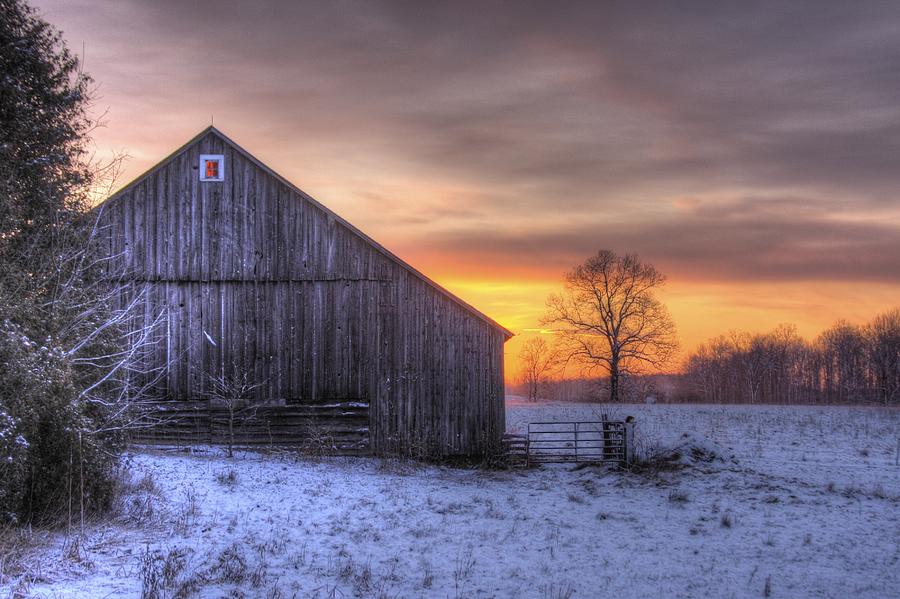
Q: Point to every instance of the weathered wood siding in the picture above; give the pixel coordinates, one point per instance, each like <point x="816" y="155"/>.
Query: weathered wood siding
<point x="319" y="427"/>
<point x="250" y="275"/>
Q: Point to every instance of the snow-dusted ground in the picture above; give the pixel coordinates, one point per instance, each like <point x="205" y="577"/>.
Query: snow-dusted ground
<point x="848" y="446"/>
<point x="808" y="507"/>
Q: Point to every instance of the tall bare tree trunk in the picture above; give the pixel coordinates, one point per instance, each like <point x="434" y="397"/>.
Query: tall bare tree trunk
<point x="614" y="380"/>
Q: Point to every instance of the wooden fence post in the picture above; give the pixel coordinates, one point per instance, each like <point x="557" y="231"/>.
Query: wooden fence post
<point x="629" y="439"/>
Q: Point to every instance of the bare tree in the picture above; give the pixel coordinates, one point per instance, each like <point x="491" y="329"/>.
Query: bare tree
<point x="609" y="318"/>
<point x="883" y="336"/>
<point x="236" y="394"/>
<point x="753" y="361"/>
<point x="538" y="359"/>
<point x="843" y="352"/>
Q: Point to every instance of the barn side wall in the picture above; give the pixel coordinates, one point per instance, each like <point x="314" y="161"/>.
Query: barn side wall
<point x="247" y="275"/>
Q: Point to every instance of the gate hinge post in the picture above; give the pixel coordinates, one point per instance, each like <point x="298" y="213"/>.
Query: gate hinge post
<point x="629" y="440"/>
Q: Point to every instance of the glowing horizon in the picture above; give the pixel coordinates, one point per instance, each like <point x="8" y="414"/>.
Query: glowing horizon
<point x="751" y="160"/>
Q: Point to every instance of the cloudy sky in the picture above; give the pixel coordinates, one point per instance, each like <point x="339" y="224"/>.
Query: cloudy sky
<point x="750" y="151"/>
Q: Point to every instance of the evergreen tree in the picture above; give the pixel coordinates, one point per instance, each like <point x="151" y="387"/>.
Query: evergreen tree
<point x="58" y="435"/>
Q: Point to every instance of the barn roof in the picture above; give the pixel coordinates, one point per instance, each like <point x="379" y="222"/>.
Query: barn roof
<point x="380" y="248"/>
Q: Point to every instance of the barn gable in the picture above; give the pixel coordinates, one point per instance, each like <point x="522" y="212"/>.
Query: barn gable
<point x="250" y="275"/>
<point x="227" y="212"/>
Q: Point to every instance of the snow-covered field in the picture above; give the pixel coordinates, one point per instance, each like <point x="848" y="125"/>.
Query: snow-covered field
<point x="809" y="506"/>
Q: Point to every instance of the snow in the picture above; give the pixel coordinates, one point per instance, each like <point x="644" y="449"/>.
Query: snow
<point x="847" y="446"/>
<point x="800" y="501"/>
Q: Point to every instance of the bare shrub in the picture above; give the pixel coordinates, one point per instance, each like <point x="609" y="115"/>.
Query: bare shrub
<point x="462" y="568"/>
<point x="159" y="572"/>
<point x="678" y="496"/>
<point x="188" y="513"/>
<point x="231" y="566"/>
<point x="362" y="579"/>
<point x="427" y="576"/>
<point x="16" y="546"/>
<point x="555" y="590"/>
<point x="235" y="393"/>
<point x="227" y="478"/>
<point x="317" y="441"/>
<point x="136" y="499"/>
<point x="398" y="465"/>
<point x="258" y="576"/>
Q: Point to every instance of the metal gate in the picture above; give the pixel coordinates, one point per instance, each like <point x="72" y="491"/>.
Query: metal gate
<point x="605" y="441"/>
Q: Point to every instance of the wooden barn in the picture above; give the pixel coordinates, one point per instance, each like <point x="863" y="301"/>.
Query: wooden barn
<point x="278" y="322"/>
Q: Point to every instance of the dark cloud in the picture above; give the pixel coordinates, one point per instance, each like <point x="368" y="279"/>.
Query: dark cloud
<point x="780" y="119"/>
<point x="746" y="239"/>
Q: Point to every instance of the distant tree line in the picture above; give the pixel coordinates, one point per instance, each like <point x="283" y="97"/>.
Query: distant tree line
<point x="846" y="364"/>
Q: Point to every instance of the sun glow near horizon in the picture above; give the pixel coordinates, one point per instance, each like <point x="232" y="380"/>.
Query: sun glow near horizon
<point x="495" y="162"/>
<point x="701" y="310"/>
<point x="512" y="290"/>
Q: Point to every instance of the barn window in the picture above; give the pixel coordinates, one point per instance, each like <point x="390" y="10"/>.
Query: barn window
<point x="212" y="167"/>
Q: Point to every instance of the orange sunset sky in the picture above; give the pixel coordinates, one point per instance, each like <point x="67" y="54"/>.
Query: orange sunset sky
<point x="750" y="152"/>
